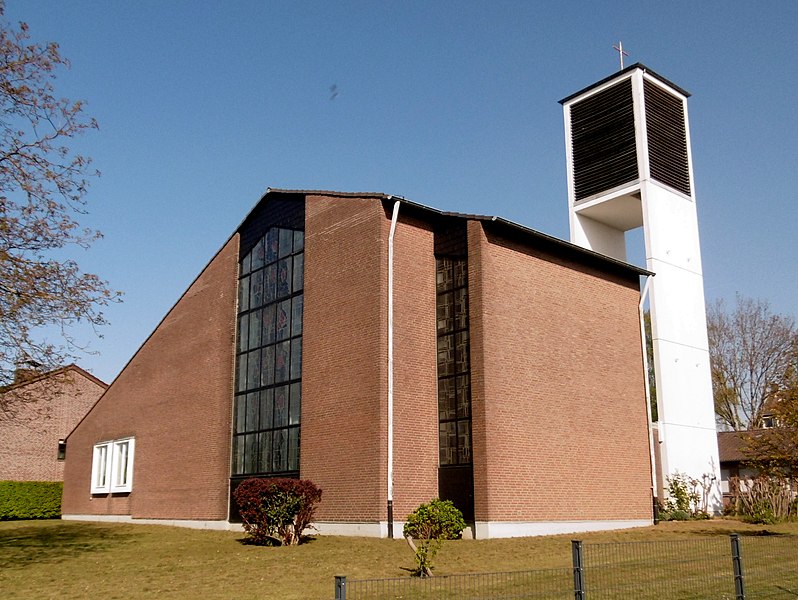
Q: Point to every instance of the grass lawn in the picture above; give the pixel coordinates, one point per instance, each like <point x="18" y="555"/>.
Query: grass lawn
<point x="68" y="559"/>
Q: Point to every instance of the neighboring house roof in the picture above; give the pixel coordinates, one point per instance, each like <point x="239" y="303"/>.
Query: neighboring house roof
<point x="730" y="446"/>
<point x="39" y="377"/>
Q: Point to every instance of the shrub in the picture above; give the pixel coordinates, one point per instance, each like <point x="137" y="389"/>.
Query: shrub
<point x="276" y="511"/>
<point x="30" y="500"/>
<point x="688" y="498"/>
<point x="431" y="524"/>
<point x="766" y="499"/>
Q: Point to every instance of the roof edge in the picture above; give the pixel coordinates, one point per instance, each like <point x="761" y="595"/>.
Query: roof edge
<point x="623" y="72"/>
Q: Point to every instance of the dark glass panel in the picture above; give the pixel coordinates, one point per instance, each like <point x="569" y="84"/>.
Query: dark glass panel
<point x="443" y="279"/>
<point x="296" y="404"/>
<point x="243" y="294"/>
<point x="286" y="241"/>
<point x="243" y="333"/>
<point x="283" y="319"/>
<point x="268" y="324"/>
<point x="461" y="351"/>
<point x="293" y="449"/>
<point x="270" y="284"/>
<point x="266" y="408"/>
<point x="281" y="406"/>
<point x="299" y="241"/>
<point x="281" y="361"/>
<point x="256" y="290"/>
<point x="254" y="328"/>
<point x="246" y="264"/>
<point x="464" y="441"/>
<point x="280" y="451"/>
<point x="460" y="273"/>
<point x="296" y="314"/>
<point x="267" y="366"/>
<point x="463" y="397"/>
<point x="284" y="278"/>
<point x="299" y="272"/>
<point x="258" y="255"/>
<point x="446" y="399"/>
<point x="241" y="414"/>
<point x="445" y="355"/>
<point x="447" y="442"/>
<point x="252" y="412"/>
<point x="241" y="378"/>
<point x="296" y="358"/>
<point x="461" y="308"/>
<point x="250" y="452"/>
<point x="265" y="463"/>
<point x="272" y="245"/>
<point x="445" y="311"/>
<point x="238" y="455"/>
<point x="253" y="370"/>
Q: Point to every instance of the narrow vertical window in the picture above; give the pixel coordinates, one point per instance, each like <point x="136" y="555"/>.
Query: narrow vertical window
<point x="454" y="394"/>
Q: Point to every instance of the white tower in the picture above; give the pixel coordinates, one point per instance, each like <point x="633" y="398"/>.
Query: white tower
<point x="629" y="165"/>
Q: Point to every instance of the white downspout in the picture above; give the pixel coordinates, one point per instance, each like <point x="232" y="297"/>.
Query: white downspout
<point x="652" y="455"/>
<point x="394" y="219"/>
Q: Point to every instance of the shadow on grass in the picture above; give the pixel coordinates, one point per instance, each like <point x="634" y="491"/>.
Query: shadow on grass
<point x="32" y="543"/>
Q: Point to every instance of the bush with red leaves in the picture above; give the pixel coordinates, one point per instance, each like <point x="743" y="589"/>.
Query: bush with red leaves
<point x="276" y="511"/>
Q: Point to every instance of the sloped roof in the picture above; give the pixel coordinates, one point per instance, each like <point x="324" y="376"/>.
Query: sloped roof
<point x="563" y="246"/>
<point x="730" y="445"/>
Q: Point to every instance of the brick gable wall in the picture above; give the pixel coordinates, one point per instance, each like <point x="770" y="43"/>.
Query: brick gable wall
<point x="174" y="396"/>
<point x="560" y="421"/>
<point x="49" y="409"/>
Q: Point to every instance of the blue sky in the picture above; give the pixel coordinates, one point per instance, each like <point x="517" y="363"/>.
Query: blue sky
<point x="203" y="105"/>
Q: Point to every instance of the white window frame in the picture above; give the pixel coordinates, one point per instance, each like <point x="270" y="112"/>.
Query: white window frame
<point x="101" y="468"/>
<point x="112" y="466"/>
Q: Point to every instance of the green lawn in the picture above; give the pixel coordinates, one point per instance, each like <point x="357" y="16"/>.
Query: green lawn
<point x="68" y="559"/>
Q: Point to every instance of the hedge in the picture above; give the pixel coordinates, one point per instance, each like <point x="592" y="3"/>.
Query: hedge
<point x="30" y="500"/>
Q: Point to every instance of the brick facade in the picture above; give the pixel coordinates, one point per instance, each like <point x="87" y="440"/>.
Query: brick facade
<point x="174" y="397"/>
<point x="558" y="404"/>
<point x="45" y="409"/>
<point x="560" y="422"/>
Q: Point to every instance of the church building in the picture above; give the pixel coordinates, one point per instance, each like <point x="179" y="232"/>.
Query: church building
<point x="393" y="353"/>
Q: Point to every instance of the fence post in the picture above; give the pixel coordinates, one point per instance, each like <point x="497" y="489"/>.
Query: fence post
<point x="579" y="572"/>
<point x="340" y="587"/>
<point x="737" y="562"/>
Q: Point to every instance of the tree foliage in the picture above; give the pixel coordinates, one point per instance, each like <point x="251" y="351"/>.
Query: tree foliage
<point x="43" y="184"/>
<point x="430" y="524"/>
<point x="751" y="350"/>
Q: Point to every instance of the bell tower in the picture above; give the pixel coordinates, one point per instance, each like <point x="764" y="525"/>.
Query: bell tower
<point x="629" y="166"/>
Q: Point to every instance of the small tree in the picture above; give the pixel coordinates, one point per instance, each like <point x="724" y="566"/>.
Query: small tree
<point x="750" y="349"/>
<point x="276" y="511"/>
<point x="430" y="524"/>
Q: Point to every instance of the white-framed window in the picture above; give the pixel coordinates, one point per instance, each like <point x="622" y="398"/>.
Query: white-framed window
<point x="112" y="466"/>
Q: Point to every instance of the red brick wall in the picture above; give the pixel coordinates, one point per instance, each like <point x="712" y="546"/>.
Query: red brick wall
<point x="560" y="425"/>
<point x="343" y="357"/>
<point x="46" y="410"/>
<point x="415" y="364"/>
<point x="175" y="397"/>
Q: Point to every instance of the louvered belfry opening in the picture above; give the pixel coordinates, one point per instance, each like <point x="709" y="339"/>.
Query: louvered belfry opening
<point x="667" y="138"/>
<point x="603" y="141"/>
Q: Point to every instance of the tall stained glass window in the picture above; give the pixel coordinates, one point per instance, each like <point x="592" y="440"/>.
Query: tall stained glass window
<point x="268" y="393"/>
<point x="454" y="377"/>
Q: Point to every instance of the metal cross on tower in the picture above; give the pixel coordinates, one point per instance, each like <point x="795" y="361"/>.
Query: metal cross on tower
<point x="621" y="52"/>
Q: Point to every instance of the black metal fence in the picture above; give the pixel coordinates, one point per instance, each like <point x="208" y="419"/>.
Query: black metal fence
<point x="722" y="568"/>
